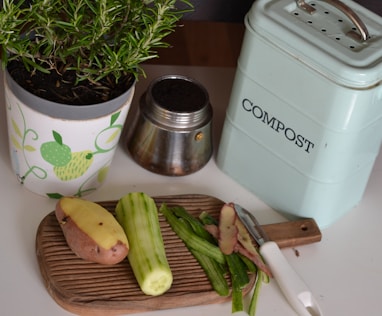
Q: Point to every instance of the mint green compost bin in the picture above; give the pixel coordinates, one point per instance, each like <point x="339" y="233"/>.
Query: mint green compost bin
<point x="303" y="127"/>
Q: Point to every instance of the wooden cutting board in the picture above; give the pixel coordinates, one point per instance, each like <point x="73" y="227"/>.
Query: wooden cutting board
<point x="87" y="288"/>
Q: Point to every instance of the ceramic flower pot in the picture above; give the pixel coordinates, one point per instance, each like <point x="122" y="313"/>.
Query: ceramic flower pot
<point x="58" y="149"/>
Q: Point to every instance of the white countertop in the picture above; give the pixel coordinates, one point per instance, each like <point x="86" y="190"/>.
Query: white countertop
<point x="344" y="270"/>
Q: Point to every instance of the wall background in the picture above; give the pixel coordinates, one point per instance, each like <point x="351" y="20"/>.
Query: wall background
<point x="235" y="10"/>
<point x="219" y="10"/>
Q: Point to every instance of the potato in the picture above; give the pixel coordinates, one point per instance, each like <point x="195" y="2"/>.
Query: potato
<point x="91" y="231"/>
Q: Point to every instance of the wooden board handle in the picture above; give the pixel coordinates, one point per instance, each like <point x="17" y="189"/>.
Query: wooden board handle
<point x="295" y="233"/>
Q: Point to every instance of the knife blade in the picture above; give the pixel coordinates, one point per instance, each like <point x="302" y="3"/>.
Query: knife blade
<point x="293" y="287"/>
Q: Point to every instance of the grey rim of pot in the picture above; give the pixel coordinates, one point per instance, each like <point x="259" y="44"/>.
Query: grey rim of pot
<point x="66" y="111"/>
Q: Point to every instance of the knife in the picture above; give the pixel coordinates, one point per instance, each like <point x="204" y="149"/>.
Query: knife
<point x="293" y="287"/>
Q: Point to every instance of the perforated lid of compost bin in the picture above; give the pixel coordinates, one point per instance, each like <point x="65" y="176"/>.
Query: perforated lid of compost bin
<point x="324" y="35"/>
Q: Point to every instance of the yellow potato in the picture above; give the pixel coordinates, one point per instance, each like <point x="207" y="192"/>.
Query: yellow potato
<point x="91" y="231"/>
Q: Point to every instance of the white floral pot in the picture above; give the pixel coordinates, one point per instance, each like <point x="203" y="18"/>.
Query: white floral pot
<point x="58" y="149"/>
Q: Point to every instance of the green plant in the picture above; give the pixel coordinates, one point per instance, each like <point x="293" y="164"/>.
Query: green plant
<point x="93" y="39"/>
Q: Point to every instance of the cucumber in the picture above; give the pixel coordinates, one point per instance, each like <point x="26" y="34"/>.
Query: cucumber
<point x="189" y="237"/>
<point x="138" y="215"/>
<point x="256" y="292"/>
<point x="215" y="271"/>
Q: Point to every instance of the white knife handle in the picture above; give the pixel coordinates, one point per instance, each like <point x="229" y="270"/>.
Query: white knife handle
<point x="290" y="283"/>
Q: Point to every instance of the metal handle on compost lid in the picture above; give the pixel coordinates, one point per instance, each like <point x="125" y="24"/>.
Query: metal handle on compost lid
<point x="361" y="27"/>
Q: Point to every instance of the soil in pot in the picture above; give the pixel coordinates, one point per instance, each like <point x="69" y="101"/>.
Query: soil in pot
<point x="62" y="89"/>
